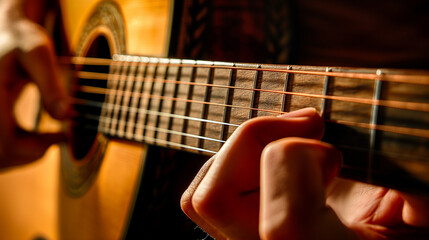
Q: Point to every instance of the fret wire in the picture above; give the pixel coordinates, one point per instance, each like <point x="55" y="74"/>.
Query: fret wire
<point x="95" y="90"/>
<point x="124" y="98"/>
<point x="228" y="101"/>
<point x="136" y="89"/>
<point x="173" y="102"/>
<point x="254" y="102"/>
<point x="151" y="112"/>
<point x="149" y="101"/>
<point x="183" y="146"/>
<point x="373" y="132"/>
<point x="160" y="141"/>
<point x="161" y="100"/>
<point x="104" y="112"/>
<point x="118" y="99"/>
<point x="413" y="106"/>
<point x="286" y="88"/>
<point x="188" y="104"/>
<point x="103" y="119"/>
<point x="139" y="117"/>
<point x="205" y="110"/>
<point x="325" y="102"/>
<point x="114" y="80"/>
<point x="400" y="78"/>
<point x="325" y="93"/>
<point x="128" y="88"/>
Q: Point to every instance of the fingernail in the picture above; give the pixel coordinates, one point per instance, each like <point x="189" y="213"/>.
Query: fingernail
<point x="305" y="112"/>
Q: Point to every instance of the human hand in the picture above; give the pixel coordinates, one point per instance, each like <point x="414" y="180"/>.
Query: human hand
<point x="26" y="55"/>
<point x="273" y="179"/>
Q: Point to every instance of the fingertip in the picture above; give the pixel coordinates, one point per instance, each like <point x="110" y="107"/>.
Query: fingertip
<point x="310" y="115"/>
<point x="186" y="198"/>
<point x="304" y="112"/>
<point x="268" y="129"/>
<point x="186" y="202"/>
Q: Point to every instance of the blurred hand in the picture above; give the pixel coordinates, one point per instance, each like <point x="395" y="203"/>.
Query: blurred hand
<point x="274" y="179"/>
<point x="26" y="55"/>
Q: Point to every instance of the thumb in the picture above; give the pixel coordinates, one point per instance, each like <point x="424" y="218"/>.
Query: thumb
<point x="40" y="63"/>
<point x="294" y="173"/>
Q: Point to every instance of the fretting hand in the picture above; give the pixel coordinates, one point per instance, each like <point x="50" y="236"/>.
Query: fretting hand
<point x="273" y="179"/>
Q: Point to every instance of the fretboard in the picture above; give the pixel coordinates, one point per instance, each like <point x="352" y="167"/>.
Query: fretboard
<point x="379" y="118"/>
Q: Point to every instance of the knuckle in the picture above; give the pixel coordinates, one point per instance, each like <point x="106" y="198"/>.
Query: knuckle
<point x="272" y="151"/>
<point x="279" y="149"/>
<point x="33" y="38"/>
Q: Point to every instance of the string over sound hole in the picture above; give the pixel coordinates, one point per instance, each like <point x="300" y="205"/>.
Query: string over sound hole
<point x="86" y="123"/>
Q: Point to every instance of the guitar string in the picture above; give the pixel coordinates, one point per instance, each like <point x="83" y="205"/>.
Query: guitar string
<point x="401" y="130"/>
<point x="94" y="117"/>
<point x="424" y="133"/>
<point x="148" y="139"/>
<point x="121" y="93"/>
<point x="110" y="106"/>
<point x="413" y="106"/>
<point x="409" y="131"/>
<point x="372" y="77"/>
<point x="350" y="123"/>
<point x="140" y="126"/>
<point x="422" y="79"/>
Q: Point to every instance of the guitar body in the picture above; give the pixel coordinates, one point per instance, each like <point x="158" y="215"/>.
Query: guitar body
<point x="91" y="187"/>
<point x="60" y="196"/>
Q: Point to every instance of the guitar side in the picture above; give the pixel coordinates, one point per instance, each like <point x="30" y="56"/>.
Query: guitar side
<point x="35" y="201"/>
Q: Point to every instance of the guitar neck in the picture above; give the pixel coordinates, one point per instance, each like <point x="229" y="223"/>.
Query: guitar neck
<point x="378" y="118"/>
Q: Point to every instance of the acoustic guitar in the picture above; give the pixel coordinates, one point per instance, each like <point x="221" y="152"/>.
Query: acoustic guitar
<point x="128" y="95"/>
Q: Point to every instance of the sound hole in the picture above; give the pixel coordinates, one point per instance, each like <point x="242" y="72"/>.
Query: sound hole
<point x="84" y="129"/>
